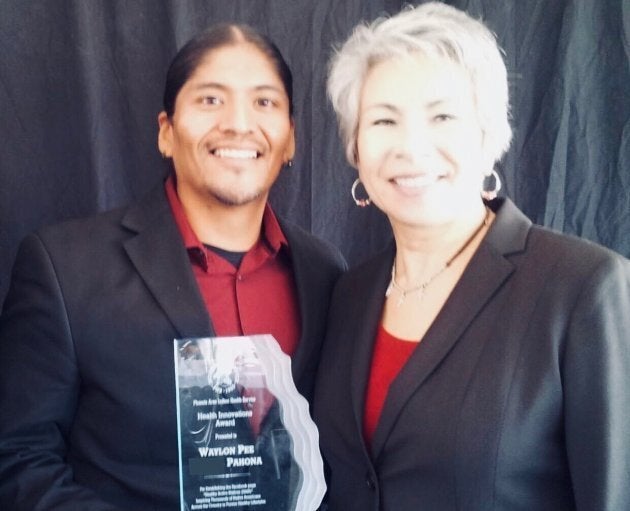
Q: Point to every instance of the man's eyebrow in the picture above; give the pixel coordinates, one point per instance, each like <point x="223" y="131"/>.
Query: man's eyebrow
<point x="269" y="87"/>
<point x="209" y="85"/>
<point x="220" y="86"/>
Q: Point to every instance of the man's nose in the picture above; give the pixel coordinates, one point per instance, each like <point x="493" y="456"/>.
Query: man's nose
<point x="237" y="117"/>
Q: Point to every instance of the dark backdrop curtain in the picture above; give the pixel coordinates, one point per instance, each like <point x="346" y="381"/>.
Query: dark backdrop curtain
<point x="81" y="84"/>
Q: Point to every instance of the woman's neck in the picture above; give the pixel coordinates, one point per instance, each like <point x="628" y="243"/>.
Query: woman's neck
<point x="423" y="251"/>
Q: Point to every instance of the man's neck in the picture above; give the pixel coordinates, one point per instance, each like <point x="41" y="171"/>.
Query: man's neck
<point x="234" y="228"/>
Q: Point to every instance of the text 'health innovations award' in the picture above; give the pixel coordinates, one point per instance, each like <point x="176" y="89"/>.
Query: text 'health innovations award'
<point x="246" y="438"/>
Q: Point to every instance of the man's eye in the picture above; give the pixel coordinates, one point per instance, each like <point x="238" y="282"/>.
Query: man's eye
<point x="265" y="102"/>
<point x="210" y="100"/>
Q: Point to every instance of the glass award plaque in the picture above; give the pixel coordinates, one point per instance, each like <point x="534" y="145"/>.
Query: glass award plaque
<point x="246" y="438"/>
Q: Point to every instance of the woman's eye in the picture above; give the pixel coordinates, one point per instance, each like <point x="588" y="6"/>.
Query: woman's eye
<point x="383" y="122"/>
<point x="443" y="117"/>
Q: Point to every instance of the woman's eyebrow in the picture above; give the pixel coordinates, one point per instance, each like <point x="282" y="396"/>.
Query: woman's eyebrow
<point x="385" y="106"/>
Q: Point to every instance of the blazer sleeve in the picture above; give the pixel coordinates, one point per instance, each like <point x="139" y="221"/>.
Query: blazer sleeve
<point x="596" y="388"/>
<point x="39" y="382"/>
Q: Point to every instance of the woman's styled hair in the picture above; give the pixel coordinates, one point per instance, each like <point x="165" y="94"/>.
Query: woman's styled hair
<point x="189" y="57"/>
<point x="437" y="31"/>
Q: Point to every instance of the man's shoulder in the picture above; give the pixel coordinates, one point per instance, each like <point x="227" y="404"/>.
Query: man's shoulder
<point x="70" y="236"/>
<point x="105" y="225"/>
<point x="304" y="244"/>
<point x="84" y="223"/>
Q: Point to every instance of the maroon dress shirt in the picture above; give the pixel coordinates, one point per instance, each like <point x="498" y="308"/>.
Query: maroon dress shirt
<point x="260" y="296"/>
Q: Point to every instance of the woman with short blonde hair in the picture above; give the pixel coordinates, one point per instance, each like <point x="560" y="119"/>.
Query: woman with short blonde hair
<point x="479" y="362"/>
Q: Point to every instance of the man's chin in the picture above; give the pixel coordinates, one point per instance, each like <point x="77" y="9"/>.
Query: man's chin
<point x="238" y="199"/>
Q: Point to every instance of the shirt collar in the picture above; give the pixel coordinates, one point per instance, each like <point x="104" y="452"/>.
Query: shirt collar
<point x="271" y="232"/>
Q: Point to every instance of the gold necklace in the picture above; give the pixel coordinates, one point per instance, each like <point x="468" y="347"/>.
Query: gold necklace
<point x="393" y="285"/>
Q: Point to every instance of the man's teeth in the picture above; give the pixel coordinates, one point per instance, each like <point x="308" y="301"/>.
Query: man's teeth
<point x="235" y="153"/>
<point x="415" y="182"/>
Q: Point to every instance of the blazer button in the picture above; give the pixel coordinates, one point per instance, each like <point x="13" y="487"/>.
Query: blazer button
<point x="370" y="482"/>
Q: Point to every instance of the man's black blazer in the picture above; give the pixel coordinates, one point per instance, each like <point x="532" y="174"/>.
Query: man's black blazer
<point x="87" y="387"/>
<point x="517" y="398"/>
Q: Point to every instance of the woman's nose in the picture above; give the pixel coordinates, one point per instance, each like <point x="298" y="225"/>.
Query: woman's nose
<point x="414" y="141"/>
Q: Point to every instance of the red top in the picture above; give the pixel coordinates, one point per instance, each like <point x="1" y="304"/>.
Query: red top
<point x="257" y="298"/>
<point x="389" y="357"/>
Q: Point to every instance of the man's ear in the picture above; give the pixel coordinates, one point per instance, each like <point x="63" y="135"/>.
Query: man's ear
<point x="289" y="153"/>
<point x="165" y="135"/>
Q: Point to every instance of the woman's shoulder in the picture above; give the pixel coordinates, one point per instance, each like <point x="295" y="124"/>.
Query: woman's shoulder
<point x="573" y="251"/>
<point x="369" y="272"/>
<point x="549" y="246"/>
<point x="579" y="262"/>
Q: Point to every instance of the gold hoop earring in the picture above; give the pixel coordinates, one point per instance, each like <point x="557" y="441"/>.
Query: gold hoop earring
<point x="492" y="193"/>
<point x="353" y="191"/>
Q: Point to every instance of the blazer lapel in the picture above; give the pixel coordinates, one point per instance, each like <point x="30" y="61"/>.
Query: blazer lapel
<point x="313" y="296"/>
<point x="306" y="283"/>
<point x="370" y="297"/>
<point x="485" y="274"/>
<point x="159" y="256"/>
